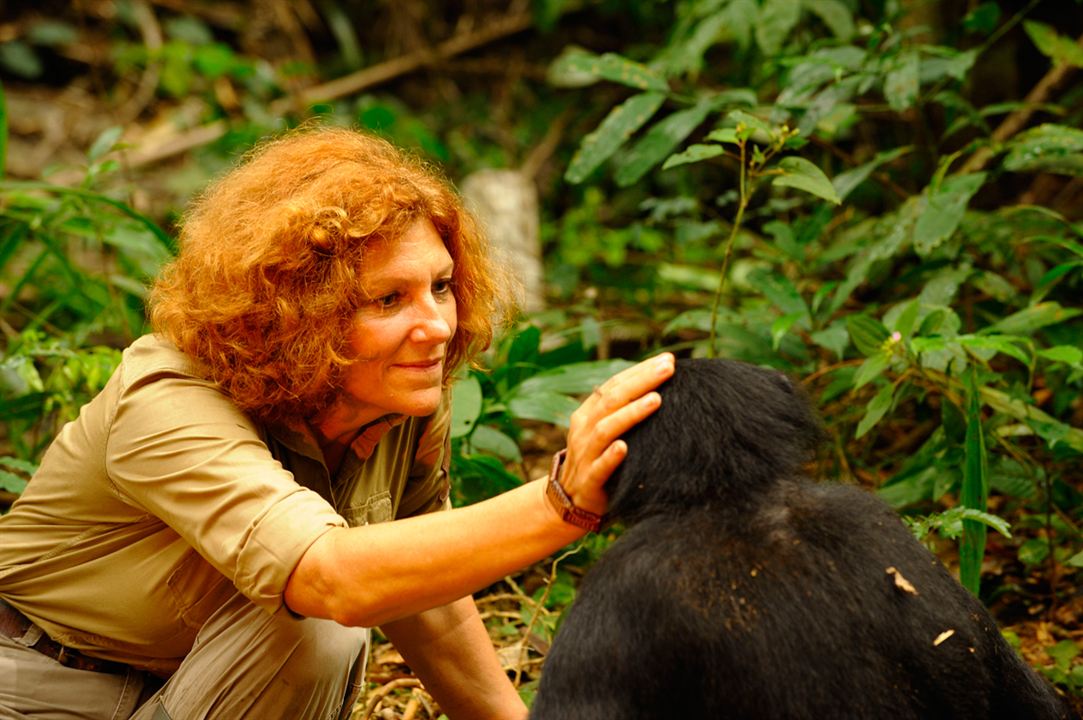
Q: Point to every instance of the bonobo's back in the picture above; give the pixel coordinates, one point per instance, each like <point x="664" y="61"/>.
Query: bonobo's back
<point x="743" y="590"/>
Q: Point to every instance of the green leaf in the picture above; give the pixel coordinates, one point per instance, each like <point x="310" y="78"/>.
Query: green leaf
<point x="1067" y="354"/>
<point x="20" y="59"/>
<point x="872" y="368"/>
<point x="846" y="182"/>
<point x="104" y="143"/>
<point x="19" y="464"/>
<point x="1027" y="320"/>
<point x="902" y="83"/>
<point x="466" y="401"/>
<point x="490" y="440"/>
<point x="944" y="209"/>
<point x="11" y="482"/>
<point x="801" y="174"/>
<point x="619" y="125"/>
<point x="776" y="19"/>
<point x="997" y="344"/>
<point x="576" y="67"/>
<point x="693" y="154"/>
<point x="1034" y="551"/>
<point x="1054" y="46"/>
<point x="868" y="334"/>
<point x="834" y="338"/>
<point x="834" y="14"/>
<point x="875" y="410"/>
<point x="1076" y="560"/>
<point x="1047" y="148"/>
<point x="548" y="407"/>
<point x="660" y="141"/>
<point x="975" y="490"/>
<point x="983" y="19"/>
<point x="572" y="379"/>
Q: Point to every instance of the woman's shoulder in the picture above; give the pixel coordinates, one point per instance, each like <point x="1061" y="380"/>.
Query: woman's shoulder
<point x="153" y="354"/>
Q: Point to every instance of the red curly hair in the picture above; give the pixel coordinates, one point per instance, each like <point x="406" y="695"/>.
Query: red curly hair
<point x="265" y="288"/>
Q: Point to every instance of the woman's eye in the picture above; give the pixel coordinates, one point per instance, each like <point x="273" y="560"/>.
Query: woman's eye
<point x="387" y="301"/>
<point x="442" y="287"/>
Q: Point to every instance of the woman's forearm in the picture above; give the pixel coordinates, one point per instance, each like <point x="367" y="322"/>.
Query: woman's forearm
<point x="450" y="650"/>
<point x="375" y="574"/>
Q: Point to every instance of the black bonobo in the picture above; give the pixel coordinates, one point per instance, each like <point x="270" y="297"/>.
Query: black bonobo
<point x="741" y="589"/>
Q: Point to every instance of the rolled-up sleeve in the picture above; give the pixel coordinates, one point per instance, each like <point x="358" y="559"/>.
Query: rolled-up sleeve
<point x="179" y="449"/>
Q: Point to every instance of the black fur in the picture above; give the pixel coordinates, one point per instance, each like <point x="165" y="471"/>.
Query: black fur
<point x="743" y="590"/>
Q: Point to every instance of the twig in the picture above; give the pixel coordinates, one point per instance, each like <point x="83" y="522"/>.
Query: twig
<point x="355" y="82"/>
<point x="347" y="85"/>
<point x="1018" y="119"/>
<point x="378" y="695"/>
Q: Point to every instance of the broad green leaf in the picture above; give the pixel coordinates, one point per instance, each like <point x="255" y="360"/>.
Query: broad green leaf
<point x="1045" y="425"/>
<point x="1058" y="48"/>
<point x="872" y="368"/>
<point x="20" y="59"/>
<point x="1034" y="551"/>
<point x="781" y="326"/>
<point x="693" y="154"/>
<point x="575" y="66"/>
<point x="875" y="410"/>
<point x="1027" y="320"/>
<point x="19" y="464"/>
<point x="619" y="125"/>
<point x="834" y="338"/>
<point x="740" y="117"/>
<point x="834" y="14"/>
<point x="1076" y="560"/>
<point x="1066" y="354"/>
<point x="944" y="210"/>
<point x="11" y="482"/>
<point x="1048" y="148"/>
<point x="867" y="333"/>
<point x="465" y="406"/>
<point x="975" y="490"/>
<point x="776" y="19"/>
<point x="801" y="174"/>
<point x="996" y="343"/>
<point x="104" y="143"/>
<point x="781" y="292"/>
<point x="724" y="135"/>
<point x="660" y="141"/>
<point x="490" y="440"/>
<point x="1011" y="477"/>
<point x="572" y="379"/>
<point x="548" y="407"/>
<point x="943" y="62"/>
<point x="902" y="83"/>
<point x="983" y="19"/>
<point x="846" y="182"/>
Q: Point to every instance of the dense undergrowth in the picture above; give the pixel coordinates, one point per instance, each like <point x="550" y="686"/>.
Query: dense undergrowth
<point x="880" y="198"/>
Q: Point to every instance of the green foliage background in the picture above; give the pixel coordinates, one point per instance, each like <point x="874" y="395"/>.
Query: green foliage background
<point x="881" y="198"/>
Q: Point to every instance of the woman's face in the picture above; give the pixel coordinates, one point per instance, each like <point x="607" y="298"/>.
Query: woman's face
<point x="401" y="334"/>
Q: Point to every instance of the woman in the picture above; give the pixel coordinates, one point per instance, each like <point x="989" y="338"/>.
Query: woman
<point x="217" y="518"/>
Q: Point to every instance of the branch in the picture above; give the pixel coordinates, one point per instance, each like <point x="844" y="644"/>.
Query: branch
<point x="347" y="85"/>
<point x="1018" y="119"/>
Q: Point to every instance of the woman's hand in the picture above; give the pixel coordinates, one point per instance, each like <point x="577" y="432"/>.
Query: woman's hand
<point x="594" y="447"/>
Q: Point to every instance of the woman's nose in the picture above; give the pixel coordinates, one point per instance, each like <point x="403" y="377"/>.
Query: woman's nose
<point x="432" y="324"/>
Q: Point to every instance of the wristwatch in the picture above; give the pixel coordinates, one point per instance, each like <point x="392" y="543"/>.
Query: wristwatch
<point x="558" y="498"/>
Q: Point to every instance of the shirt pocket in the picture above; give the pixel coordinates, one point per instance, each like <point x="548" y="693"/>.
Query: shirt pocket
<point x="197" y="590"/>
<point x="375" y="509"/>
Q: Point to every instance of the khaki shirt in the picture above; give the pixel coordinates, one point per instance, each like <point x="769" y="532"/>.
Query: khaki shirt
<point x="162" y="499"/>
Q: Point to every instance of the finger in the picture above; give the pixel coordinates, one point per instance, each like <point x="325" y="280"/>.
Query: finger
<point x="630" y="384"/>
<point x="614" y="425"/>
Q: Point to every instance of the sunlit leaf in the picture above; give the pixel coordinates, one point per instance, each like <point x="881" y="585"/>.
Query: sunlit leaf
<point x="465" y="406"/>
<point x="944" y="209"/>
<point x="834" y="14"/>
<point x="868" y="334"/>
<point x="801" y="174"/>
<point x="776" y="19"/>
<point x="1032" y="318"/>
<point x="875" y="410"/>
<point x="1047" y="148"/>
<point x="577" y="67"/>
<point x="490" y="440"/>
<point x="548" y="407"/>
<point x="661" y="140"/>
<point x="1058" y="48"/>
<point x="572" y="379"/>
<point x="619" y="125"/>
<point x="693" y="154"/>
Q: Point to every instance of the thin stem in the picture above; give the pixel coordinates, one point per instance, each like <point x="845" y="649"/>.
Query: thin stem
<point x="742" y="203"/>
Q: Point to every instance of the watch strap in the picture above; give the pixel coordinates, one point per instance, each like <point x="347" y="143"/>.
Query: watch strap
<point x="567" y="509"/>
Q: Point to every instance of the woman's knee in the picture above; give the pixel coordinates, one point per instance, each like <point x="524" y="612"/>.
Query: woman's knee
<point x="322" y="651"/>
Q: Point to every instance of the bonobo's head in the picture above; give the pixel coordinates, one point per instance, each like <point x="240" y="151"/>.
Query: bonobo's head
<point x="726" y="432"/>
